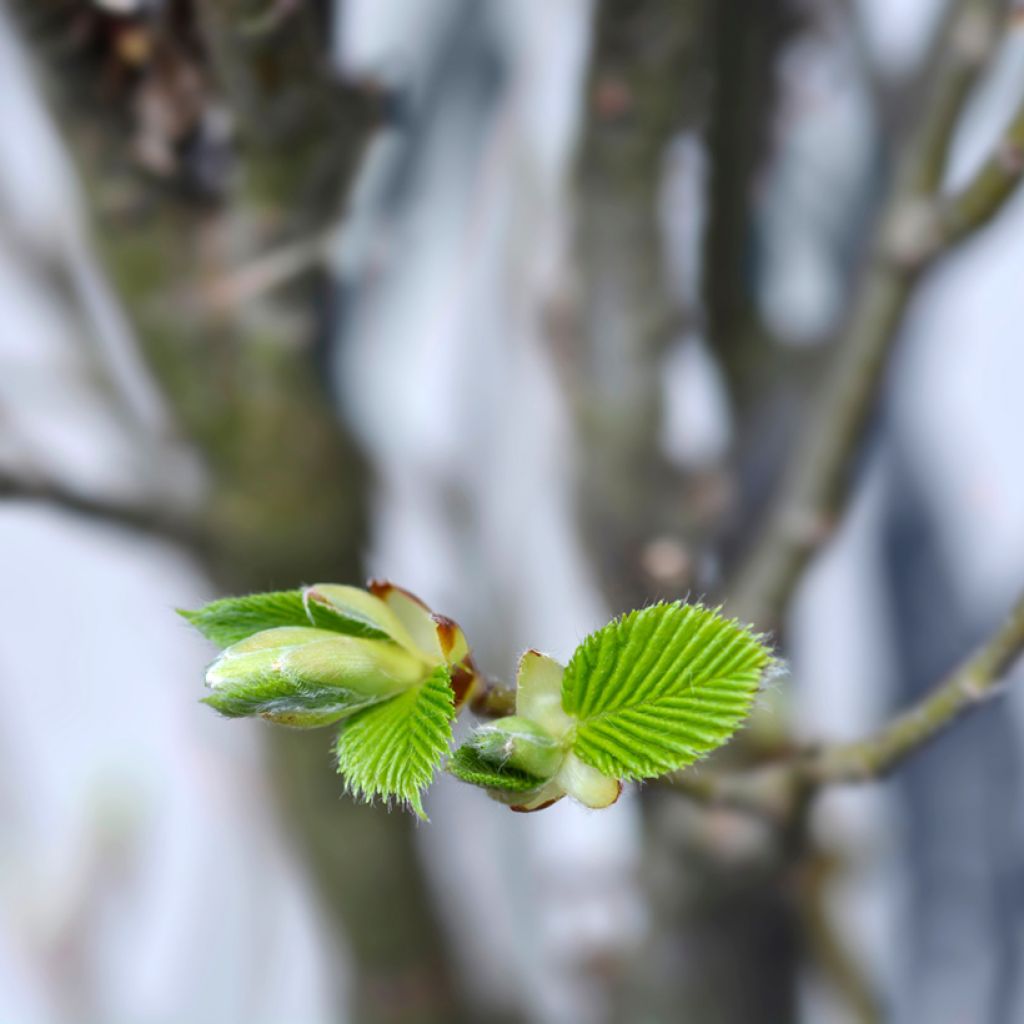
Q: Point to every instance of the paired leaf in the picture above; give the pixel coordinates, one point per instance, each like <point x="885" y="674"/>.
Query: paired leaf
<point x="648" y="694"/>
<point x="659" y="688"/>
<point x="394" y="748"/>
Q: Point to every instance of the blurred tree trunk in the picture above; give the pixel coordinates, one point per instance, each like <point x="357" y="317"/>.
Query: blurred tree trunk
<point x="646" y="86"/>
<point x="769" y="385"/>
<point x="724" y="941"/>
<point x="744" y="41"/>
<point x="284" y="483"/>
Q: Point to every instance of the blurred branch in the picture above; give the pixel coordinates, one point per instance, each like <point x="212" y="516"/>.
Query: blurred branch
<point x="150" y="517"/>
<point x="746" y="43"/>
<point x="839" y="966"/>
<point x="983" y="197"/>
<point x="776" y="790"/>
<point x="643" y="90"/>
<point x="916" y="228"/>
<point x="971" y="684"/>
<point x="266" y="272"/>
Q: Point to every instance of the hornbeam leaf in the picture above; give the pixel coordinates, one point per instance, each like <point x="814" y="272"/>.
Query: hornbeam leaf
<point x="661" y="687"/>
<point x="392" y="750"/>
<point x="233" y="619"/>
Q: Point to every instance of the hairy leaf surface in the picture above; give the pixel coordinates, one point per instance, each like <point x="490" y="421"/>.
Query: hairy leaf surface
<point x="467" y="765"/>
<point x="232" y="619"/>
<point x="392" y="750"/>
<point x="659" y="688"/>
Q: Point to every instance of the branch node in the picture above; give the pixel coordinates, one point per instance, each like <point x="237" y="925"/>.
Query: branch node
<point x="912" y="234"/>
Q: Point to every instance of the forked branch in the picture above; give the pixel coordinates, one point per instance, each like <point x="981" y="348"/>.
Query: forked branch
<point x="916" y="229"/>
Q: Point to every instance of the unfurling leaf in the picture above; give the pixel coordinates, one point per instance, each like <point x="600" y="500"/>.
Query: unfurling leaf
<point x="659" y="688"/>
<point x="539" y="736"/>
<point x="467" y="765"/>
<point x="393" y="749"/>
<point x="300" y="676"/>
<point x="519" y="744"/>
<point x="382" y="660"/>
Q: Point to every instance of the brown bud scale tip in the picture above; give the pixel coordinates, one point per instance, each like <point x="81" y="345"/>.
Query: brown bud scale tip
<point x="446" y="632"/>
<point x="521" y="809"/>
<point x="382" y="588"/>
<point x="463" y="679"/>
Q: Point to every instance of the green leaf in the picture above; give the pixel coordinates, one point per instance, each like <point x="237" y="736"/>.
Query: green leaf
<point x="467" y="765"/>
<point x="232" y="619"/>
<point x="659" y="688"/>
<point x="393" y="749"/>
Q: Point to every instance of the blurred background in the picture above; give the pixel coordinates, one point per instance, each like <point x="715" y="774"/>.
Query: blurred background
<point x="522" y="305"/>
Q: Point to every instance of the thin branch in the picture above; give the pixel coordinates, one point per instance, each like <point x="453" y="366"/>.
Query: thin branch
<point x="914" y="231"/>
<point x="776" y="790"/>
<point x="840" y="966"/>
<point x="968" y="686"/>
<point x="982" y="198"/>
<point x="267" y="271"/>
<point x="145" y="516"/>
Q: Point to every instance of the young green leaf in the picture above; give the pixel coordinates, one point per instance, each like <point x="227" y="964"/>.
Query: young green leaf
<point x="344" y="610"/>
<point x="232" y="619"/>
<point x="394" y="748"/>
<point x="659" y="688"/>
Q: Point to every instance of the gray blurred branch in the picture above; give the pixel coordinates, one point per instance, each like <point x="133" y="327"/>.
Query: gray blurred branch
<point x="916" y="228"/>
<point x="147" y="516"/>
<point x="776" y="789"/>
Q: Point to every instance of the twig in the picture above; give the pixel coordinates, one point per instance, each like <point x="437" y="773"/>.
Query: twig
<point x="971" y="684"/>
<point x="839" y="965"/>
<point x="982" y="198"/>
<point x="915" y="229"/>
<point x="268" y="271"/>
<point x="145" y="516"/>
<point x="775" y="790"/>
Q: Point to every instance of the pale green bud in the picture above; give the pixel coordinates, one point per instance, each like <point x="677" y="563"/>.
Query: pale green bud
<point x="520" y="744"/>
<point x="309" y="677"/>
